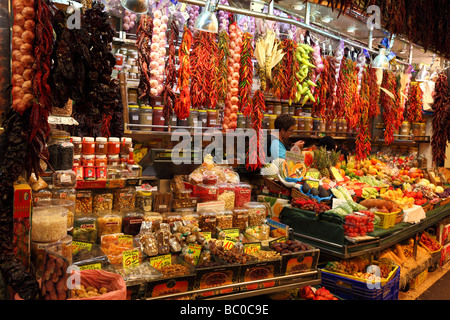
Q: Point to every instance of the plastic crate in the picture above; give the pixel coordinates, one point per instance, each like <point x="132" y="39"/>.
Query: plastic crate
<point x="387" y="219"/>
<point x="349" y="288"/>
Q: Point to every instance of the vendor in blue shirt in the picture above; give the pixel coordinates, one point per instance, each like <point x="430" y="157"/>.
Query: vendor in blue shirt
<point x="285" y="126"/>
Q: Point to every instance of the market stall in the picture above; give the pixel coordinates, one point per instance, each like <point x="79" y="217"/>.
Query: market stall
<point x="138" y="151"/>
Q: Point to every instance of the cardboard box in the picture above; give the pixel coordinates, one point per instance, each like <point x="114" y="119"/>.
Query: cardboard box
<point x="418" y="280"/>
<point x="260" y="270"/>
<point x="22" y="200"/>
<point x="445" y="255"/>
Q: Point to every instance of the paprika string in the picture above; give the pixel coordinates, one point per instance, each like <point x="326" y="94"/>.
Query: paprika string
<point x="414" y="103"/>
<point x="319" y="107"/>
<point x="223" y="64"/>
<point x="246" y="75"/>
<point x="144" y="35"/>
<point x="440" y="119"/>
<point x="170" y="71"/>
<point x="255" y="154"/>
<point x="183" y="103"/>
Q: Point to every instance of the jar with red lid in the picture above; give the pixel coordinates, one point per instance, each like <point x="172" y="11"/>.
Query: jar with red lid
<point x="101" y="145"/>
<point x="113" y="160"/>
<point x="88" y="146"/>
<point x="77" y="145"/>
<point x="100" y="160"/>
<point x="208" y="190"/>
<point x="76" y="160"/>
<point x="158" y="119"/>
<point x="125" y="144"/>
<point x="243" y="194"/>
<point x="124" y="158"/>
<point x="113" y="145"/>
<point x="88" y="160"/>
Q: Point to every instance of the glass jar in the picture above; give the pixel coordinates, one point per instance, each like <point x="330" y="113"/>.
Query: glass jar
<point x="146" y="117"/>
<point x="89" y="173"/>
<point x="76" y="160"/>
<point x="257" y="213"/>
<point x="207" y="221"/>
<point x="423" y="130"/>
<point x="308" y="125"/>
<point x="49" y="223"/>
<point x="173" y="120"/>
<point x="277" y="109"/>
<point x="183" y="122"/>
<point x="113" y="145"/>
<point x="100" y="160"/>
<point x="101" y="145"/>
<point x="124" y="199"/>
<point x="208" y="190"/>
<point x="240" y="121"/>
<point x="270" y="109"/>
<point x="83" y="202"/>
<point x="248" y="122"/>
<point x="64" y="179"/>
<point x="125" y="145"/>
<point x="133" y="115"/>
<point x="322" y="127"/>
<point x="227" y="195"/>
<point x="316" y="123"/>
<point x="272" y="118"/>
<point x="296" y="124"/>
<point x="240" y="219"/>
<point x="405" y="130"/>
<point x="224" y="219"/>
<point x="88" y="145"/>
<point x="301" y="125"/>
<point x="212" y="118"/>
<point x="113" y="160"/>
<point x="77" y="145"/>
<point x="65" y="203"/>
<point x="158" y="119"/>
<point x="331" y="127"/>
<point x="243" y="194"/>
<point x="61" y="151"/>
<point x="102" y="201"/>
<point x="131" y="222"/>
<point x="132" y="96"/>
<point x="144" y="200"/>
<point x="284" y="108"/>
<point x="202" y="118"/>
<point x="265" y="123"/>
<point x="88" y="160"/>
<point x="193" y="118"/>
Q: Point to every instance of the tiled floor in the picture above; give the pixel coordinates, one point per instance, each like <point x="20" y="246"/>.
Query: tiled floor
<point x="435" y="287"/>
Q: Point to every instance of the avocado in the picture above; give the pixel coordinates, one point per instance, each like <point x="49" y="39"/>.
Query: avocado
<point x="305" y="188"/>
<point x="323" y="193"/>
<point x="314" y="191"/>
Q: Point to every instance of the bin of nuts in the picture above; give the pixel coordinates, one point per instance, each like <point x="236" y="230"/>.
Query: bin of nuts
<point x="227" y="194"/>
<point x="102" y="201"/>
<point x="144" y="200"/>
<point x="207" y="221"/>
<point x="256" y="213"/>
<point x="224" y="219"/>
<point x="83" y="202"/>
<point x="64" y="193"/>
<point x="240" y="218"/>
<point x="108" y="223"/>
<point x="124" y="199"/>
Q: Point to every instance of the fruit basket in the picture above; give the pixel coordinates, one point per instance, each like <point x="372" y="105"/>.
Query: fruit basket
<point x="387" y="219"/>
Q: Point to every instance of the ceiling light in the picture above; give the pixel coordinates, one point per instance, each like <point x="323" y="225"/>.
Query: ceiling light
<point x="351" y="29"/>
<point x="298" y="6"/>
<point x="207" y="20"/>
<point x="327" y="19"/>
<point x="381" y="61"/>
<point x="136" y="6"/>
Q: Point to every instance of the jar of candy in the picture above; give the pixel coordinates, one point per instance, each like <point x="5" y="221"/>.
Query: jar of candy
<point x="243" y="194"/>
<point x="208" y="190"/>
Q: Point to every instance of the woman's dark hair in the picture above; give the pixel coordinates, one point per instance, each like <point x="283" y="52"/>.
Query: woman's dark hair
<point x="284" y="121"/>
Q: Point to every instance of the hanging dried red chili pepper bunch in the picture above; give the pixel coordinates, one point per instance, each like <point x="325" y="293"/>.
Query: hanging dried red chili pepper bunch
<point x="144" y="36"/>
<point x="282" y="76"/>
<point x="183" y="103"/>
<point x="414" y="104"/>
<point x="389" y="106"/>
<point x="170" y="72"/>
<point x="363" y="145"/>
<point x="319" y="107"/>
<point x="441" y="119"/>
<point x="374" y="90"/>
<point x="255" y="154"/>
<point x="223" y="64"/>
<point x="246" y="74"/>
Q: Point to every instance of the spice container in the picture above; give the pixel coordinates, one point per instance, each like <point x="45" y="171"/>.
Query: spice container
<point x="61" y="151"/>
<point x="83" y="202"/>
<point x="125" y="145"/>
<point x="88" y="145"/>
<point x="49" y="223"/>
<point x="272" y="118"/>
<point x="124" y="199"/>
<point x="101" y="145"/>
<point x="243" y="194"/>
<point x="322" y="127"/>
<point x="212" y="117"/>
<point x="240" y="218"/>
<point x="193" y="118"/>
<point x="284" y="108"/>
<point x="224" y="219"/>
<point x="113" y="145"/>
<point x="144" y="200"/>
<point x="109" y="223"/>
<point x="146" y="117"/>
<point x="202" y="118"/>
<point x="113" y="160"/>
<point x="207" y="221"/>
<point x="132" y="96"/>
<point x="296" y="118"/>
<point x="308" y="125"/>
<point x="63" y="203"/>
<point x="89" y="173"/>
<point x="88" y="160"/>
<point x="101" y="160"/>
<point x="183" y="122"/>
<point x="331" y="127"/>
<point x="85" y="229"/>
<point x="208" y="190"/>
<point x="405" y="130"/>
<point x="77" y="145"/>
<point x="277" y="109"/>
<point x="76" y="160"/>
<point x="240" y="121"/>
<point x="173" y="120"/>
<point x="131" y="222"/>
<point x="256" y="213"/>
<point x="64" y="179"/>
<point x="161" y="202"/>
<point x="158" y="118"/>
<point x="301" y="124"/>
<point x="102" y="202"/>
<point x="133" y="115"/>
<point x="270" y="109"/>
<point x="227" y="195"/>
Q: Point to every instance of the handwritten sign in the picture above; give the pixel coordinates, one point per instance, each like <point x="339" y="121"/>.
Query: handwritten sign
<point x="130" y="258"/>
<point x="161" y="261"/>
<point x="195" y="249"/>
<point x="252" y="247"/>
<point x="228" y="244"/>
<point x="80" y="245"/>
<point x="91" y="266"/>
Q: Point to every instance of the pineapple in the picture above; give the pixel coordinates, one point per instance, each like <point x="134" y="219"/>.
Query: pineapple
<point x="322" y="161"/>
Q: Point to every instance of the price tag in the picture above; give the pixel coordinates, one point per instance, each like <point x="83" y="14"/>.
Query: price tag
<point x="161" y="261"/>
<point x="207" y="235"/>
<point x="130" y="258"/>
<point x="252" y="247"/>
<point x="195" y="250"/>
<point x="228" y="244"/>
<point x="92" y="266"/>
<point x="80" y="245"/>
<point x="125" y="240"/>
<point x="232" y="233"/>
<point x="280" y="239"/>
<point x="313" y="184"/>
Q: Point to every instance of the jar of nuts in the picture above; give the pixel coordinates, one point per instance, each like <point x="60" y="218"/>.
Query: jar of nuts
<point x="224" y="219"/>
<point x="83" y="202"/>
<point x="256" y="213"/>
<point x="64" y="193"/>
<point x="240" y="218"/>
<point x="227" y="195"/>
<point x="102" y="202"/>
<point x="125" y="199"/>
<point x="144" y="200"/>
<point x="108" y="223"/>
<point x="207" y="221"/>
<point x="131" y="222"/>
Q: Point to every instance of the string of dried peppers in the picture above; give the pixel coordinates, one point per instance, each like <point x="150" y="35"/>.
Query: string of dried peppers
<point x="246" y="74"/>
<point x="144" y="35"/>
<point x="440" y="119"/>
<point x="414" y="103"/>
<point x="255" y="153"/>
<point x="223" y="64"/>
<point x="183" y="103"/>
<point x="170" y="73"/>
<point x="389" y="105"/>
<point x="363" y="145"/>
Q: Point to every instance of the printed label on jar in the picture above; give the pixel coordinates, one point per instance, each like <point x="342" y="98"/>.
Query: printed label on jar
<point x="244" y="191"/>
<point x="135" y="221"/>
<point x="87" y="226"/>
<point x="135" y="118"/>
<point x="112" y="223"/>
<point x="65" y="178"/>
<point x="63" y="195"/>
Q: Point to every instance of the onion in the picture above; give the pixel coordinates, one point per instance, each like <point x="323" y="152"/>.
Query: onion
<point x="27" y="86"/>
<point x="17" y="93"/>
<point x="156" y="22"/>
<point x="154" y="55"/>
<point x="29" y="25"/>
<point x="28" y="36"/>
<point x="17" y="80"/>
<point x="28" y="13"/>
<point x="17" y="67"/>
<point x="164" y="19"/>
<point x="17" y="31"/>
<point x="18" y="6"/>
<point x="163" y="27"/>
<point x="28" y="3"/>
<point x="17" y="42"/>
<point x="26" y="48"/>
<point x="27" y="98"/>
<point x="157" y="14"/>
<point x="132" y="24"/>
<point x="19" y="20"/>
<point x="27" y="60"/>
<point x="132" y="16"/>
<point x="16" y="55"/>
<point x="153" y="64"/>
<point x="155" y="39"/>
<point x="126" y="19"/>
<point x="127" y="13"/>
<point x="126" y="27"/>
<point x="154" y="47"/>
<point x="27" y="75"/>
<point x="19" y="105"/>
